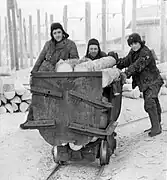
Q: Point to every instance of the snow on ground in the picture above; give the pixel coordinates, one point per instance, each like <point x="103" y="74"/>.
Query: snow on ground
<point x="26" y="156"/>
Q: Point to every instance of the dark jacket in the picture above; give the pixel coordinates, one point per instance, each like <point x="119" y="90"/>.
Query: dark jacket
<point x="141" y="66"/>
<point x="53" y="52"/>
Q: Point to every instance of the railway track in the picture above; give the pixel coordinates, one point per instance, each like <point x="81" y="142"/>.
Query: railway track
<point x="101" y="169"/>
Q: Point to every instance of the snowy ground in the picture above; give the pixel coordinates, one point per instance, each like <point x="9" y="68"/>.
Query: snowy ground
<point x="26" y="156"/>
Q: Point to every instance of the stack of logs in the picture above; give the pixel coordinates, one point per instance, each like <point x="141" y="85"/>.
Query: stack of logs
<point x="14" y="97"/>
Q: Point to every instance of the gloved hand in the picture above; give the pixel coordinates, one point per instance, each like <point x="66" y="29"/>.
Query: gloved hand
<point x="114" y="55"/>
<point x="123" y="78"/>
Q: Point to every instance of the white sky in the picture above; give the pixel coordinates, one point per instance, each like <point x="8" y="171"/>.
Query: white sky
<point x="75" y="8"/>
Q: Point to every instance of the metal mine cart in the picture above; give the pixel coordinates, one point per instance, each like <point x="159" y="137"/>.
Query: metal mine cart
<point x="68" y="111"/>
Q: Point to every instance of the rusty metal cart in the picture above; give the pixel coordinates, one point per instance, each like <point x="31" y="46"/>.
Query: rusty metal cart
<point x="67" y="108"/>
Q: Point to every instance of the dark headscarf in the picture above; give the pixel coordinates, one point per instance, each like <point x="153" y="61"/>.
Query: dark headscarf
<point x="57" y="26"/>
<point x="100" y="53"/>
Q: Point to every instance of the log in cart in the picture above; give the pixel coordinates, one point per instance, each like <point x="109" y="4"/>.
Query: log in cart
<point x="68" y="111"/>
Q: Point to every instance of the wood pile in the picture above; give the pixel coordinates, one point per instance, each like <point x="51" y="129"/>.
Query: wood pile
<point x="14" y="97"/>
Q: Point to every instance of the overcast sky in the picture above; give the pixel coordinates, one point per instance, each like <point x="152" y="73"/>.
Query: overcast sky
<point x="75" y="8"/>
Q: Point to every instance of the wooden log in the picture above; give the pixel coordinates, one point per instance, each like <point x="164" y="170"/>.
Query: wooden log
<point x="134" y="94"/>
<point x="9" y="108"/>
<point x="26" y="96"/>
<point x="163" y="91"/>
<point x="162" y="67"/>
<point x="127" y="87"/>
<point x="109" y="75"/>
<point x="164" y="76"/>
<point x="62" y="66"/>
<point x="16" y="100"/>
<point x="28" y="101"/>
<point x="19" y="88"/>
<point x="14" y="106"/>
<point x="3" y="99"/>
<point x="23" y="107"/>
<point x="9" y="95"/>
<point x="3" y="110"/>
<point x="96" y="65"/>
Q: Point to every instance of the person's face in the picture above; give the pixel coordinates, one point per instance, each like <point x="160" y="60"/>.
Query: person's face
<point x="57" y="34"/>
<point x="135" y="46"/>
<point x="93" y="50"/>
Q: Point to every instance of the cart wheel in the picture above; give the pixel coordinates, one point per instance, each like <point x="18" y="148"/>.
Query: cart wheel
<point x="104" y="153"/>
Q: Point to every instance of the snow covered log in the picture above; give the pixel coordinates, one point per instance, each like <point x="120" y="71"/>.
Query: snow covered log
<point x="163" y="91"/>
<point x="19" y="88"/>
<point x="162" y="67"/>
<point x="9" y="108"/>
<point x="3" y="99"/>
<point x="63" y="66"/>
<point x="26" y="96"/>
<point x="16" y="100"/>
<point x="96" y="65"/>
<point x="134" y="94"/>
<point x="164" y="76"/>
<point x="14" y="106"/>
<point x="109" y="75"/>
<point x="3" y="110"/>
<point x="23" y="107"/>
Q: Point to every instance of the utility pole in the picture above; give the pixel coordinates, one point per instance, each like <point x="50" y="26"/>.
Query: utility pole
<point x="123" y="27"/>
<point x="104" y="44"/>
<point x="87" y="21"/>
<point x="162" y="31"/>
<point x="134" y="5"/>
<point x="65" y="17"/>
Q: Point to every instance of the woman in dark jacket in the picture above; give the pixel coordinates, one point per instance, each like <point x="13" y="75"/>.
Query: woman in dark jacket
<point x="59" y="47"/>
<point x="141" y="66"/>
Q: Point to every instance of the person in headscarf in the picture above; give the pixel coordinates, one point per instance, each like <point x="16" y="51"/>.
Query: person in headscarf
<point x="141" y="66"/>
<point x="58" y="47"/>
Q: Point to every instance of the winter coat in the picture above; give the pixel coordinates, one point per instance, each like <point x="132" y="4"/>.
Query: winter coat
<point x="142" y="67"/>
<point x="52" y="53"/>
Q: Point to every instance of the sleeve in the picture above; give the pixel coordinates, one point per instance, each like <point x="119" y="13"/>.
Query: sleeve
<point x="73" y="51"/>
<point x="140" y="64"/>
<point x="123" y="62"/>
<point x="41" y="58"/>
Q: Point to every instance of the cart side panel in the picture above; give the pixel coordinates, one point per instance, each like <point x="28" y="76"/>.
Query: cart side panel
<point x="68" y="108"/>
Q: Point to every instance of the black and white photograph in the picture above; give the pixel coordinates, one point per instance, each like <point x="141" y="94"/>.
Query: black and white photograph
<point x="83" y="89"/>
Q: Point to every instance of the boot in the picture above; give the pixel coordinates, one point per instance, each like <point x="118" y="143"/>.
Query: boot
<point x="156" y="127"/>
